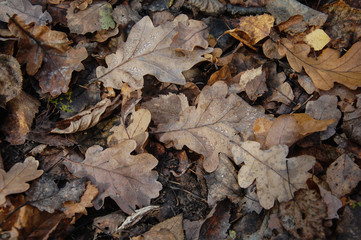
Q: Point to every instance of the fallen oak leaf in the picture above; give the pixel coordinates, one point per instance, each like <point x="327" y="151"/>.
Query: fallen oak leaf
<point x="209" y="128"/>
<point x="287" y="129"/>
<point x="277" y="177"/>
<point x="14" y="181"/>
<point x="147" y="51"/>
<point x="328" y="68"/>
<point x="127" y="179"/>
<point x="256" y="27"/>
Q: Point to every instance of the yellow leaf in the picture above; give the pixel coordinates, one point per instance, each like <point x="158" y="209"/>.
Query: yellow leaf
<point x="317" y="39"/>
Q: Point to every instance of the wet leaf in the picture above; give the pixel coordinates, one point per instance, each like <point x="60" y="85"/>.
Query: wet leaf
<point x="25" y="10"/>
<point x="329" y="67"/>
<point x="147" y="51"/>
<point x="14" y="181"/>
<point x="127" y="179"/>
<point x="277" y="177"/>
<point x="210" y="127"/>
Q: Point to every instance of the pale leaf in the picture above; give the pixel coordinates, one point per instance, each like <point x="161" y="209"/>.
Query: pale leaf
<point x="277" y="177"/>
<point x="257" y="27"/>
<point x="127" y="179"/>
<point x="171" y="228"/>
<point x="25" y="10"/>
<point x="14" y="181"/>
<point x="147" y="51"/>
<point x="136" y="130"/>
<point x="329" y="67"/>
<point x="212" y="126"/>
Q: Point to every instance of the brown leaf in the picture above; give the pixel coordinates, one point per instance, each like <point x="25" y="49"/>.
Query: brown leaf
<point x="171" y="228"/>
<point x="25" y="10"/>
<point x="256" y="27"/>
<point x="95" y="17"/>
<point x="277" y="177"/>
<point x="352" y="125"/>
<point x="325" y="107"/>
<point x="22" y="110"/>
<point x="287" y="129"/>
<point x="110" y="222"/>
<point x="147" y="51"/>
<point x="135" y="130"/>
<point x="41" y="46"/>
<point x="14" y="181"/>
<point x="124" y="13"/>
<point x="222" y="182"/>
<point x="83" y="120"/>
<point x="11" y="79"/>
<point x="343" y="175"/>
<point x="207" y="6"/>
<point x="329" y="67"/>
<point x="71" y="207"/>
<point x="210" y="127"/>
<point x="304" y="216"/>
<point x="332" y="202"/>
<point x="189" y="36"/>
<point x="127" y="179"/>
<point x="136" y="216"/>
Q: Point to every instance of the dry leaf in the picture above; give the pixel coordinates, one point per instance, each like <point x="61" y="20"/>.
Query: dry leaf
<point x="22" y="110"/>
<point x="343" y="175"/>
<point x="325" y="107"/>
<point x="71" y="207"/>
<point x="136" y="216"/>
<point x="95" y="17"/>
<point x="257" y="27"/>
<point x="147" y="51"/>
<point x="109" y="223"/>
<point x="190" y="36"/>
<point x="223" y="74"/>
<point x="210" y="127"/>
<point x="11" y="79"/>
<point x="287" y="129"/>
<point x="123" y="14"/>
<point x="329" y="67"/>
<point x="277" y="177"/>
<point x="284" y="9"/>
<point x="25" y="10"/>
<point x="135" y="130"/>
<point x="352" y="125"/>
<point x="83" y="120"/>
<point x="317" y="39"/>
<point x="41" y="46"/>
<point x="282" y="93"/>
<point x="332" y="202"/>
<point x="14" y="181"/>
<point x="127" y="179"/>
<point x="171" y="228"/>
<point x="222" y="182"/>
<point x="303" y="217"/>
<point x="207" y="6"/>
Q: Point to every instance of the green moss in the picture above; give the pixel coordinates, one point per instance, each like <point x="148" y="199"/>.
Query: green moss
<point x="63" y="102"/>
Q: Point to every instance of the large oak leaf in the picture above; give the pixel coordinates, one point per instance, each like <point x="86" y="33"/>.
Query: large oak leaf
<point x="212" y="126"/>
<point x="277" y="177"/>
<point x="147" y="51"/>
<point x="127" y="179"/>
<point x="329" y="67"/>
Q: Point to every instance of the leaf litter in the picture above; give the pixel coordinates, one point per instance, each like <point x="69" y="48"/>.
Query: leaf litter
<point x="184" y="132"/>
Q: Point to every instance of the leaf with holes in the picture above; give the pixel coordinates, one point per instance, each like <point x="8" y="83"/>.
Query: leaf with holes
<point x="277" y="177"/>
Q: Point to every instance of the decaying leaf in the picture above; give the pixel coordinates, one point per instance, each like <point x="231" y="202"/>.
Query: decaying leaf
<point x="83" y="120"/>
<point x="284" y="9"/>
<point x="124" y="13"/>
<point x="329" y="67"/>
<point x="147" y="51"/>
<point x="208" y="6"/>
<point x="256" y="27"/>
<point x="343" y="175"/>
<point x="325" y="108"/>
<point x="95" y="17"/>
<point x="136" y="216"/>
<point x="72" y="207"/>
<point x="47" y="54"/>
<point x="287" y="129"/>
<point x="25" y="10"/>
<point x="352" y="125"/>
<point x="11" y="79"/>
<point x="303" y="217"/>
<point x="333" y="203"/>
<point x="210" y="127"/>
<point x="135" y="130"/>
<point x="127" y="179"/>
<point x="14" y="181"/>
<point x="222" y="182"/>
<point x="277" y="177"/>
<point x="170" y="229"/>
<point x="109" y="223"/>
<point x="22" y="110"/>
<point x="190" y="36"/>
